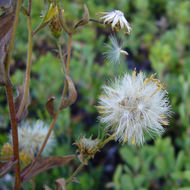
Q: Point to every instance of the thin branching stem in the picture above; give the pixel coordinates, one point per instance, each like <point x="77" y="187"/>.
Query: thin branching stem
<point x="80" y="167"/>
<point x="14" y="135"/>
<point x="97" y="21"/>
<point x="52" y="125"/>
<point x="62" y="22"/>
<point x="28" y="69"/>
<point x="61" y="56"/>
<point x="101" y="145"/>
<point x="8" y="57"/>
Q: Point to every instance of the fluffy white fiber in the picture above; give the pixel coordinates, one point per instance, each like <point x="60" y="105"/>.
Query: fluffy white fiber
<point x="134" y="105"/>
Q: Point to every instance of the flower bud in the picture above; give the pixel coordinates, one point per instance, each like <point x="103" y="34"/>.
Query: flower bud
<point x="55" y="27"/>
<point x="87" y="147"/>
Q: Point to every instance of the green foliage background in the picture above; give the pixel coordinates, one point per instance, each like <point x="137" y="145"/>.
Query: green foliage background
<point x="158" y="43"/>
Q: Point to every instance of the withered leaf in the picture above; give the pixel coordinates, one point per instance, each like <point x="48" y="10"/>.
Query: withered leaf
<point x="86" y="18"/>
<point x="72" y="93"/>
<point x="60" y="184"/>
<point x="50" y="106"/>
<point x="6" y="25"/>
<point x="86" y="15"/>
<point x="6" y="166"/>
<point x="45" y="164"/>
<point x="20" y="92"/>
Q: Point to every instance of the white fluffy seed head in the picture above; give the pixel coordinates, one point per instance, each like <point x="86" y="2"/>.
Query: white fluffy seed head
<point x="117" y="20"/>
<point x="114" y="51"/>
<point x="134" y="105"/>
<point x="32" y="136"/>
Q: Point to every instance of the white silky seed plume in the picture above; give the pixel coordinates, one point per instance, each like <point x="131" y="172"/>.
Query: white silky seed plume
<point x="114" y="51"/>
<point x="31" y="137"/>
<point x="134" y="105"/>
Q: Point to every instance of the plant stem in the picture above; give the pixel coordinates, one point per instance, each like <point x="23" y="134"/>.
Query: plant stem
<point x="8" y="57"/>
<point x="58" y="111"/>
<point x="97" y="21"/>
<point x="67" y="66"/>
<point x="82" y="164"/>
<point x="69" y="51"/>
<point x="75" y="173"/>
<point x="33" y="184"/>
<point x="44" y="143"/>
<point x="62" y="22"/>
<point x="14" y="136"/>
<point x="101" y="145"/>
<point x="28" y="69"/>
<point x="61" y="56"/>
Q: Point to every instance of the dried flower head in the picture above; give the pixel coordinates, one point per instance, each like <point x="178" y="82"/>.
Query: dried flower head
<point x="87" y="146"/>
<point x="7" y="150"/>
<point x="117" y="20"/>
<point x="134" y="105"/>
<point x="31" y="137"/>
<point x="114" y="51"/>
<point x="25" y="157"/>
<point x="52" y="16"/>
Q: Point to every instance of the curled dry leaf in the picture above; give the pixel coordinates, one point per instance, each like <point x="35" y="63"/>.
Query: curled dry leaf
<point x="86" y="18"/>
<point x="45" y="164"/>
<point x="50" y="106"/>
<point x="6" y="166"/>
<point x="60" y="184"/>
<point x="86" y="15"/>
<point x="20" y="92"/>
<point x="72" y="94"/>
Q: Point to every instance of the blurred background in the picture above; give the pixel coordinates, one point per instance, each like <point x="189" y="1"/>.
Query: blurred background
<point x="159" y="42"/>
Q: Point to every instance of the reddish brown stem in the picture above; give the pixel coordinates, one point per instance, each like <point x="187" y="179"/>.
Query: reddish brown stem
<point x="14" y="135"/>
<point x="7" y="159"/>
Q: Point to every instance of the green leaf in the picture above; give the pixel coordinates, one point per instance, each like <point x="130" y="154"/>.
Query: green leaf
<point x="180" y="161"/>
<point x="117" y="176"/>
<point x="127" y="182"/>
<point x="161" y="166"/>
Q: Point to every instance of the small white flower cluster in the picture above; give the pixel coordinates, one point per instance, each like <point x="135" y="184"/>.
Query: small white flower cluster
<point x="114" y="51"/>
<point x="134" y="105"/>
<point x="31" y="137"/>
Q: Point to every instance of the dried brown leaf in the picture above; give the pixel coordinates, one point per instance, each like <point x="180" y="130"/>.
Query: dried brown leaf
<point x="45" y="164"/>
<point x="60" y="184"/>
<point x="86" y="18"/>
<point x="50" y="106"/>
<point x="86" y="15"/>
<point x="72" y="93"/>
<point x="20" y="92"/>
<point x="6" y="166"/>
<point x="6" y="25"/>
